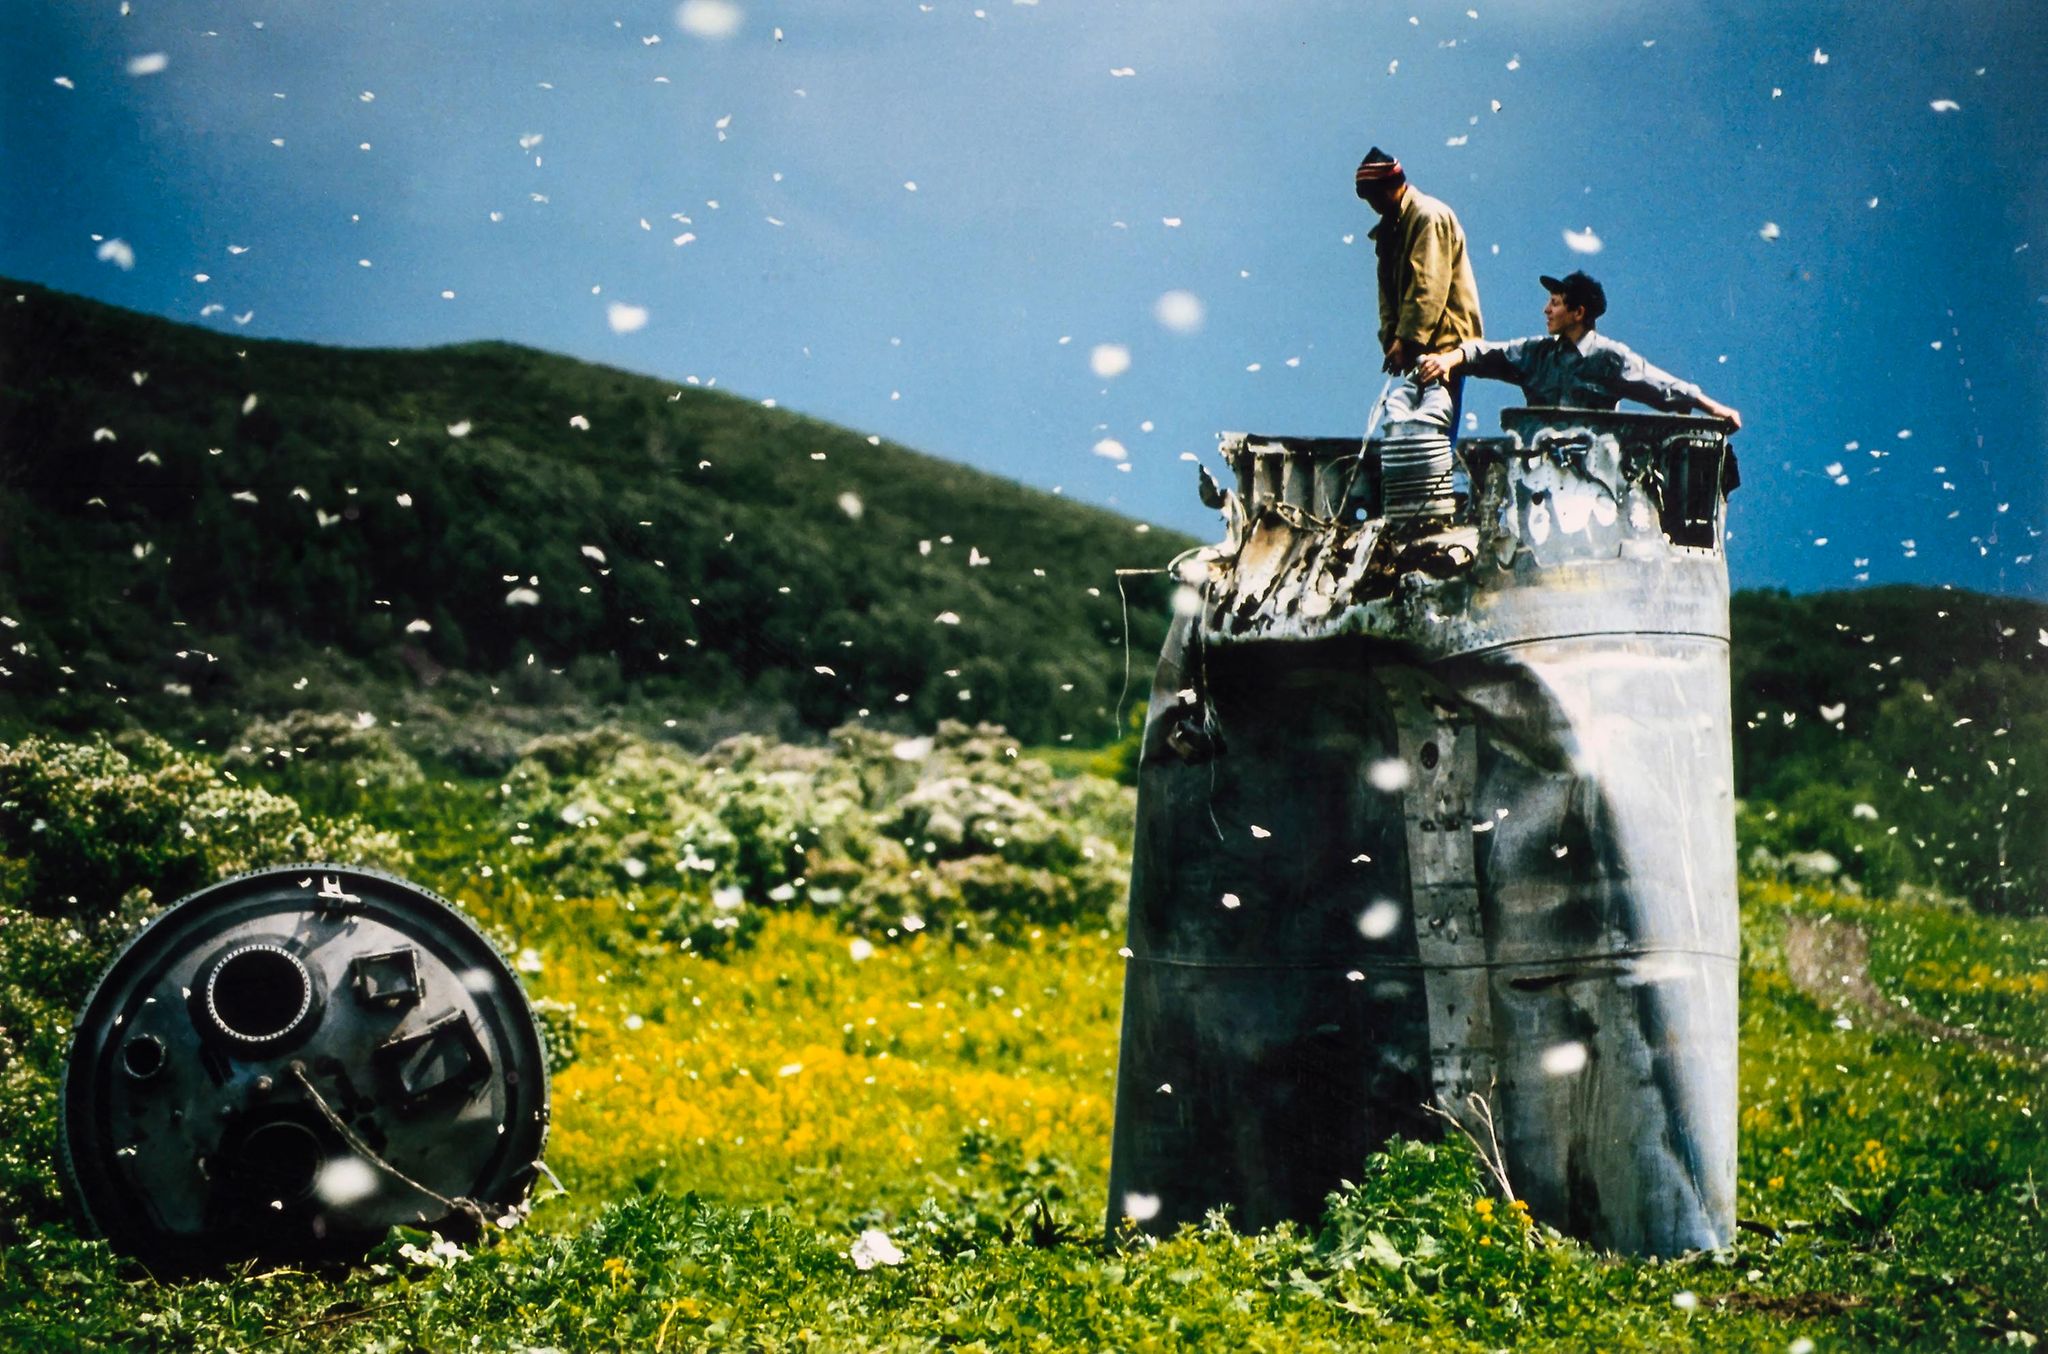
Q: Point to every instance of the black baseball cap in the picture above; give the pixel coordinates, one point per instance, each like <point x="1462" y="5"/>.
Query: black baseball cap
<point x="1578" y="290"/>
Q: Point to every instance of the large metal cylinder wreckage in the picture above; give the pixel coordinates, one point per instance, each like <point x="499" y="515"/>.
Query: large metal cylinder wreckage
<point x="1443" y="810"/>
<point x="290" y="1062"/>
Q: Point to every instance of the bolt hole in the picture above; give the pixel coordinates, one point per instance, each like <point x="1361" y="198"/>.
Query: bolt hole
<point x="143" y="1056"/>
<point x="1429" y="755"/>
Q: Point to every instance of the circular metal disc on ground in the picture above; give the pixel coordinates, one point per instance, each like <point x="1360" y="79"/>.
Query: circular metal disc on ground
<point x="290" y="1062"/>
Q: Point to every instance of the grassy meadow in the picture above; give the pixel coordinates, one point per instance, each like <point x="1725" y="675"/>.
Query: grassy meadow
<point x="835" y="1035"/>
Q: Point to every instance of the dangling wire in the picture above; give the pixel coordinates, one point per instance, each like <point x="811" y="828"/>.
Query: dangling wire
<point x="1123" y="692"/>
<point x="1171" y="569"/>
<point x="1201" y="657"/>
<point x="470" y="1207"/>
<point x="1211" y="725"/>
<point x="1372" y="425"/>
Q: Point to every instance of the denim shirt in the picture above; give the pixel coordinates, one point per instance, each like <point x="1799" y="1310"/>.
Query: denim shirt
<point x="1594" y="373"/>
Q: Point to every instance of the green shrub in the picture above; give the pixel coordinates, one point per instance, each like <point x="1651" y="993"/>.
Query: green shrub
<point x="998" y="1196"/>
<point x="84" y="825"/>
<point x="562" y="1030"/>
<point x="954" y="831"/>
<point x="328" y="762"/>
<point x="1830" y="833"/>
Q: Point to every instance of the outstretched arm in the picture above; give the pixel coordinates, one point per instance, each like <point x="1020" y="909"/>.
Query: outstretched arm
<point x="1720" y="410"/>
<point x="1639" y="380"/>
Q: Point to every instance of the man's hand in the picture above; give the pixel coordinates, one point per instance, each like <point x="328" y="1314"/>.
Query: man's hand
<point x="1397" y="358"/>
<point x="1719" y="410"/>
<point x="1434" y="367"/>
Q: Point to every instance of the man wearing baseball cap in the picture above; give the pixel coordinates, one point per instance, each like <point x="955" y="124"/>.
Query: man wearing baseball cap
<point x="1428" y="303"/>
<point x="1572" y="365"/>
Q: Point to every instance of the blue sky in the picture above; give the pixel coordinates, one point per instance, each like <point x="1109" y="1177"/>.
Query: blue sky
<point x="1074" y="162"/>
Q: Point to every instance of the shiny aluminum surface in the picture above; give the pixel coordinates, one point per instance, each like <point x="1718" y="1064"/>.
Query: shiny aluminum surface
<point x="1423" y="818"/>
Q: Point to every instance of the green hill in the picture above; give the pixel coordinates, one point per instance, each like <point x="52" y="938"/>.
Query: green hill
<point x="182" y="510"/>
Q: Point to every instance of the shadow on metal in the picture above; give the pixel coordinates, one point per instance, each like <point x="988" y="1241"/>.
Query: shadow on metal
<point x="1439" y="808"/>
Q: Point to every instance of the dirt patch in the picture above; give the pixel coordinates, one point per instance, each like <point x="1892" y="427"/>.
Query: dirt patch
<point x="1830" y="960"/>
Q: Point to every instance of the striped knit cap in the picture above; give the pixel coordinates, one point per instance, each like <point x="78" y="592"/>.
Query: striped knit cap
<point x="1379" y="169"/>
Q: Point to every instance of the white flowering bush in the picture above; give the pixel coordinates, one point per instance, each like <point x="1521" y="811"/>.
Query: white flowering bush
<point x="955" y="831"/>
<point x="600" y="814"/>
<point x="989" y="843"/>
<point x="88" y="827"/>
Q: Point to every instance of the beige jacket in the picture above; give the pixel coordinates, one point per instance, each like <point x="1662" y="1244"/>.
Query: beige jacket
<point x="1427" y="295"/>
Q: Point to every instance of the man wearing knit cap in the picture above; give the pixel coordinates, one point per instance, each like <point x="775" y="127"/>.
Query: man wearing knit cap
<point x="1571" y="364"/>
<point x="1429" y="303"/>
